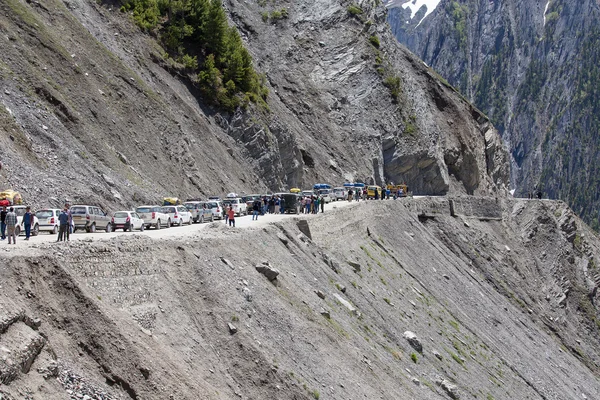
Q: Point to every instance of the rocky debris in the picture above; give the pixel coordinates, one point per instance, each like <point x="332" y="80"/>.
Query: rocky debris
<point x="320" y="294"/>
<point x="228" y="263"/>
<point x="304" y="228"/>
<point x="345" y="303"/>
<point x="437" y="355"/>
<point x="333" y="264"/>
<point x="568" y="225"/>
<point x="267" y="270"/>
<point x="247" y="294"/>
<point x="412" y="339"/>
<point x="449" y="388"/>
<point x="232" y="328"/>
<point x="79" y="388"/>
<point x="49" y="371"/>
<point x="325" y="313"/>
<point x="354" y="265"/>
<point x="283" y="239"/>
<point x="341" y="288"/>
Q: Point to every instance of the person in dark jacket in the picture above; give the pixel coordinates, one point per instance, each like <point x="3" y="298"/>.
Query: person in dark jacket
<point x="3" y="221"/>
<point x="27" y="221"/>
<point x="63" y="225"/>
<point x="256" y="209"/>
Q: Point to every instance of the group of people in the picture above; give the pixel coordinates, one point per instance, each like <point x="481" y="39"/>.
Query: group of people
<point x="8" y="227"/>
<point x="311" y="204"/>
<point x="9" y="220"/>
<point x="267" y="205"/>
<point x="65" y="224"/>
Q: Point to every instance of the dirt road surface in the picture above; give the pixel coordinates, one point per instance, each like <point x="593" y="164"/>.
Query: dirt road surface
<point x="176" y="231"/>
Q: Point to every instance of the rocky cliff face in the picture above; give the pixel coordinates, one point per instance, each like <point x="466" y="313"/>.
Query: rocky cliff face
<point x="532" y="68"/>
<point x="93" y="111"/>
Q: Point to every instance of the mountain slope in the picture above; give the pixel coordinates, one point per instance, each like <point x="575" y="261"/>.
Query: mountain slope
<point x="501" y="297"/>
<point x="95" y="110"/>
<point x="532" y="67"/>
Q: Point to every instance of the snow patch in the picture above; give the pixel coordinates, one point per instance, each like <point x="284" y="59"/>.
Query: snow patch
<point x="545" y="11"/>
<point x="415" y="6"/>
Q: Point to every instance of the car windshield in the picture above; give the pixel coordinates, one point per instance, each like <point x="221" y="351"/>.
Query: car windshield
<point x="20" y="212"/>
<point x="213" y="204"/>
<point x="44" y="214"/>
<point x="191" y="206"/>
<point x="121" y="214"/>
<point x="169" y="210"/>
<point x="143" y="209"/>
<point x="228" y="202"/>
<point x="78" y="210"/>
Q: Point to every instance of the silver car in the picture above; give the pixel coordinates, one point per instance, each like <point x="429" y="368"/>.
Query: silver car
<point x="90" y="218"/>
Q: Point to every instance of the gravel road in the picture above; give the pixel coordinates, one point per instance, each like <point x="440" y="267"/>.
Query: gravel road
<point x="186" y="230"/>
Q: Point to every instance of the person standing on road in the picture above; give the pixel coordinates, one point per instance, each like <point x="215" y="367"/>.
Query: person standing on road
<point x="11" y="221"/>
<point x="27" y="219"/>
<point x="63" y="225"/>
<point x="307" y="205"/>
<point x="71" y="227"/>
<point x="231" y="213"/>
<point x="3" y="221"/>
<point x="227" y="213"/>
<point x="322" y="205"/>
<point x="255" y="209"/>
<point x="281" y="205"/>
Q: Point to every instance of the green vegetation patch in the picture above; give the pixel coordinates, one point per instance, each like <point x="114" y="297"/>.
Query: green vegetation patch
<point x="196" y="34"/>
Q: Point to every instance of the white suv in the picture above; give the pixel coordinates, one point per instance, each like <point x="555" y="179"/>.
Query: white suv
<point x="239" y="205"/>
<point x="20" y="228"/>
<point x="154" y="216"/>
<point x="179" y="215"/>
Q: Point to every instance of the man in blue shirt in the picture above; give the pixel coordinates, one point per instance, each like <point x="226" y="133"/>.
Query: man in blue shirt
<point x="27" y="218"/>
<point x="63" y="220"/>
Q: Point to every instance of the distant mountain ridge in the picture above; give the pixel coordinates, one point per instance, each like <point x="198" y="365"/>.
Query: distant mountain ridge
<point x="532" y="67"/>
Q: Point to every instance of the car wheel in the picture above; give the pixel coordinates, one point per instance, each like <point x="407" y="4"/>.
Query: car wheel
<point x="142" y="228"/>
<point x="168" y="223"/>
<point x="17" y="230"/>
<point x="190" y="221"/>
<point x="212" y="218"/>
<point x="158" y="224"/>
<point x="54" y="230"/>
<point x="202" y="219"/>
<point x="36" y="230"/>
<point x="108" y="228"/>
<point x="92" y="228"/>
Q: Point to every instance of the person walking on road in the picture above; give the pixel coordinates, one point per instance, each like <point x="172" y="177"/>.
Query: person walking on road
<point x="63" y="225"/>
<point x="11" y="221"/>
<point x="27" y="218"/>
<point x="3" y="222"/>
<point x="231" y="213"/>
<point x="227" y="214"/>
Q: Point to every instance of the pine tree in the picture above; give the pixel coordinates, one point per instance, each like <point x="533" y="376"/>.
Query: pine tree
<point x="214" y="28"/>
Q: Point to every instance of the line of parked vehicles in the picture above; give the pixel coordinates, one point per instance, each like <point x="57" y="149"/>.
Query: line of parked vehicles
<point x="173" y="212"/>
